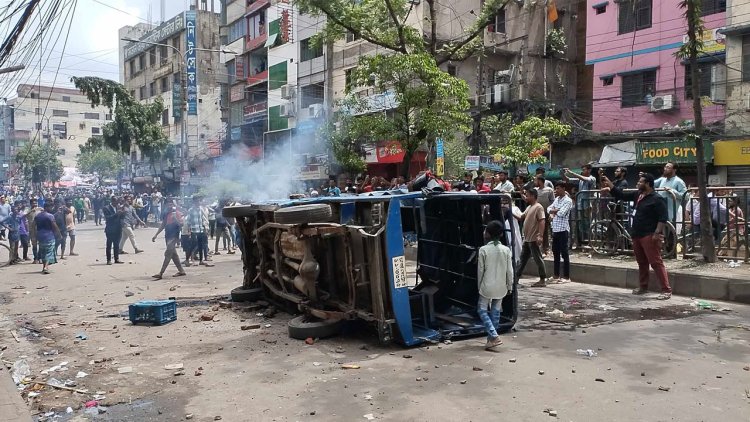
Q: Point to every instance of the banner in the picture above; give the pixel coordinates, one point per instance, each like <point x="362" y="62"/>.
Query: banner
<point x="680" y="151"/>
<point x="176" y="100"/>
<point x="471" y="162"/>
<point x="440" y="160"/>
<point x="191" y="63"/>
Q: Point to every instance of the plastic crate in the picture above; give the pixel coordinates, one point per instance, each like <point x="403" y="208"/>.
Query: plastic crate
<point x="156" y="312"/>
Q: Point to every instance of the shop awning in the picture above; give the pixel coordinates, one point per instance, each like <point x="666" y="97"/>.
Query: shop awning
<point x="616" y="155"/>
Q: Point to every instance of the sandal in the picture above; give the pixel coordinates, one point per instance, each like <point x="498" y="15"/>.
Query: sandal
<point x="664" y="296"/>
<point x="156" y="276"/>
<point x="539" y="284"/>
<point x="181" y="274"/>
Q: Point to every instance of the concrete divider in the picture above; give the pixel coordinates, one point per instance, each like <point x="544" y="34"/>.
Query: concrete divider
<point x="720" y="287"/>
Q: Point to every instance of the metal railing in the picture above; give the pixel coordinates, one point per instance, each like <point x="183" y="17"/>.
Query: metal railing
<point x="729" y="206"/>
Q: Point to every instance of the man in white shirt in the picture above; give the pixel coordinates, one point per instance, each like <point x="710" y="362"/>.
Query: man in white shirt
<point x="494" y="279"/>
<point x="502" y="182"/>
<point x="560" y="213"/>
<point x="672" y="183"/>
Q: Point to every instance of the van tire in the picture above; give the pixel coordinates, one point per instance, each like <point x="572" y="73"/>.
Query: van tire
<point x="304" y="214"/>
<point x="237" y="211"/>
<point x="241" y="294"/>
<point x="303" y="327"/>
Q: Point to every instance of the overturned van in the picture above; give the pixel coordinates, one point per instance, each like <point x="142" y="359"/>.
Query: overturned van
<point x="339" y="259"/>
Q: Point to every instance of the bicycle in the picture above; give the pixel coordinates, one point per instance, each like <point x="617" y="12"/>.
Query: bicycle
<point x="609" y="237"/>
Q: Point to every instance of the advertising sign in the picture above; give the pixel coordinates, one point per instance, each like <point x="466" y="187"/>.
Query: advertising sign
<point x="714" y="41"/>
<point x="191" y="63"/>
<point x="177" y="100"/>
<point x="440" y="159"/>
<point x="164" y="31"/>
<point x="680" y="151"/>
<point x="471" y="162"/>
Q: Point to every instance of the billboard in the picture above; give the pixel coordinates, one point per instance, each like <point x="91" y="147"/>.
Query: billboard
<point x="191" y="63"/>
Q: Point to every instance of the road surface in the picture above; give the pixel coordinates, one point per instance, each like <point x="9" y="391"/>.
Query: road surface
<point x="655" y="361"/>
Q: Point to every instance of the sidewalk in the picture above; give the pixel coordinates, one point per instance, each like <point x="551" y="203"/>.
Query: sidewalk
<point x="688" y="278"/>
<point x="12" y="407"/>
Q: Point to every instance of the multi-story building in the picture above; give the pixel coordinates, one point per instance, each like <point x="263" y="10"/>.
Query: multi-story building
<point x="639" y="82"/>
<point x="159" y="64"/>
<point x="60" y="115"/>
<point x="6" y="143"/>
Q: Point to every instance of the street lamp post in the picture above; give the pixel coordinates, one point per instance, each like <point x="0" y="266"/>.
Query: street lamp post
<point x="184" y="146"/>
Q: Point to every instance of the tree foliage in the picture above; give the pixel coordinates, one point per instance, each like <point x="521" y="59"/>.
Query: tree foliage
<point x="525" y="141"/>
<point x="134" y="124"/>
<point x="40" y="163"/>
<point x="104" y="162"/>
<point x="429" y="102"/>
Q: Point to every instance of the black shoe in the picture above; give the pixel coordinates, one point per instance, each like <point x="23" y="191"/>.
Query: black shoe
<point x="123" y="253"/>
<point x="119" y="262"/>
<point x="109" y="262"/>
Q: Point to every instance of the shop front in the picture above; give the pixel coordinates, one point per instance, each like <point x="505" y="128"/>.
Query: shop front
<point x="733" y="158"/>
<point x="651" y="156"/>
<point x="386" y="160"/>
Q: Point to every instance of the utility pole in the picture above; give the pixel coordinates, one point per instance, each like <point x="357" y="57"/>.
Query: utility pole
<point x="695" y="27"/>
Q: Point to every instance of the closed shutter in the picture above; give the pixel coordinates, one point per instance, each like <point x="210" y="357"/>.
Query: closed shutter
<point x="740" y="176"/>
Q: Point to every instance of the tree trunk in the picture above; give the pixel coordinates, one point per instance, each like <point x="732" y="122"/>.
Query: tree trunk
<point x="406" y="163"/>
<point x="707" y="240"/>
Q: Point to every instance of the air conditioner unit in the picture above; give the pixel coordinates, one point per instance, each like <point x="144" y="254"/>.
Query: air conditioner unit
<point x="315" y="110"/>
<point x="662" y="103"/>
<point x="501" y="93"/>
<point x="287" y="91"/>
<point x="287" y="110"/>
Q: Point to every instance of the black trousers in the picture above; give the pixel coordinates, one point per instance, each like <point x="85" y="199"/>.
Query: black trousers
<point x="113" y="242"/>
<point x="560" y="250"/>
<point x="532" y="250"/>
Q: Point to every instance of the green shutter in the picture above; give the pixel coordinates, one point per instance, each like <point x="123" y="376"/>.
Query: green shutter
<point x="277" y="76"/>
<point x="275" y="121"/>
<point x="274" y="27"/>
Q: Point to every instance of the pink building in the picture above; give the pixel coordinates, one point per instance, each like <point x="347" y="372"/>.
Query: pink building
<point x="639" y="83"/>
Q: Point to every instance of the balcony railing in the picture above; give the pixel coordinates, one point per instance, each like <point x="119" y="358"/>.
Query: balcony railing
<point x="257" y="78"/>
<point x="255" y="6"/>
<point x="254" y="43"/>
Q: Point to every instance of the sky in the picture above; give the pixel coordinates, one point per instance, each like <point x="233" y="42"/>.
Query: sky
<point x="92" y="44"/>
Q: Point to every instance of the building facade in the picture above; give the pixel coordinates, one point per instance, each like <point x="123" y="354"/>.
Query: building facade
<point x="55" y="115"/>
<point x="639" y="82"/>
<point x="6" y="143"/>
<point x="159" y="64"/>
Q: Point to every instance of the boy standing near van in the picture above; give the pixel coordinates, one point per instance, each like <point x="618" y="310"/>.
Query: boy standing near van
<point x="495" y="280"/>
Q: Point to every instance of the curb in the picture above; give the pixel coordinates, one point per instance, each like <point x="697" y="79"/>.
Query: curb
<point x="683" y="283"/>
<point x="12" y="407"/>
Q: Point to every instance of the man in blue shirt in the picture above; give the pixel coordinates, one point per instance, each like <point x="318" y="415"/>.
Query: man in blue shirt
<point x="675" y="190"/>
<point x="333" y="190"/>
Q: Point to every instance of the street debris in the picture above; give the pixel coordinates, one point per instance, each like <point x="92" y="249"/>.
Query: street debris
<point x="512" y="360"/>
<point x="551" y="412"/>
<point x="310" y="341"/>
<point x="316" y="363"/>
<point x="125" y="370"/>
<point x="407" y="356"/>
<point x="703" y="304"/>
<point x="539" y="305"/>
<point x="586" y="352"/>
<point x="662" y="388"/>
<point x="463" y="382"/>
<point x="21" y="370"/>
<point x="369" y="416"/>
<point x="128" y="293"/>
<point x="189" y="416"/>
<point x="174" y="366"/>
<point x="556" y="313"/>
<point x="250" y="327"/>
<point x="746" y="368"/>
<point x="350" y="366"/>
<point x="82" y="336"/>
<point x="81" y="374"/>
<point x="733" y="264"/>
<point x="477" y="369"/>
<point x="208" y="316"/>
<point x="605" y="307"/>
<point x="541" y="372"/>
<point x="599" y="380"/>
<point x="15" y="336"/>
<point x="55" y="383"/>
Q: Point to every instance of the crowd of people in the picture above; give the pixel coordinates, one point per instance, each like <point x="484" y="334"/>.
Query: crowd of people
<point x="41" y="228"/>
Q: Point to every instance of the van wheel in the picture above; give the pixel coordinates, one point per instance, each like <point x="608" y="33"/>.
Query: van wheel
<point x="304" y="214"/>
<point x="303" y="327"/>
<point x="241" y="294"/>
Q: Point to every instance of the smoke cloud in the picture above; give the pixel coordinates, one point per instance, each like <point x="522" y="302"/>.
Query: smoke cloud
<point x="237" y="176"/>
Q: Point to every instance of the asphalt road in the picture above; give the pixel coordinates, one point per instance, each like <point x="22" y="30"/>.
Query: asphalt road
<point x="655" y="361"/>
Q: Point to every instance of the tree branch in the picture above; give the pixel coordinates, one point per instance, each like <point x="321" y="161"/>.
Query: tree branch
<point x="399" y="26"/>
<point x="450" y="56"/>
<point x="335" y="19"/>
<point x="433" y="28"/>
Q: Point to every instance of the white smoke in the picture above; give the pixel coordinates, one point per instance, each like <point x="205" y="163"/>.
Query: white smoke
<point x="236" y="175"/>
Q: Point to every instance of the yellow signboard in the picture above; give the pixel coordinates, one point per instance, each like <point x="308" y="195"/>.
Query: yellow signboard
<point x="732" y="153"/>
<point x="714" y="41"/>
<point x="440" y="166"/>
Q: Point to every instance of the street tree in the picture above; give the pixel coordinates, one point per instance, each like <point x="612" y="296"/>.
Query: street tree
<point x="427" y="103"/>
<point x="525" y="142"/>
<point x="105" y="163"/>
<point x="690" y="51"/>
<point x="39" y="163"/>
<point x="134" y="124"/>
<point x="409" y="66"/>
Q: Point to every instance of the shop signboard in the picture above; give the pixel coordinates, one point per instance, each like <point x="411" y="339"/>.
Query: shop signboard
<point x="678" y="151"/>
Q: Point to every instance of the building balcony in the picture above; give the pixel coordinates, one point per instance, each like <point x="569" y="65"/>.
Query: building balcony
<point x="255" y="6"/>
<point x="252" y="44"/>
<point x="257" y="78"/>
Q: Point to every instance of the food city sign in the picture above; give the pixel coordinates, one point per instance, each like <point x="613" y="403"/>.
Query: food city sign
<point x="680" y="151"/>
